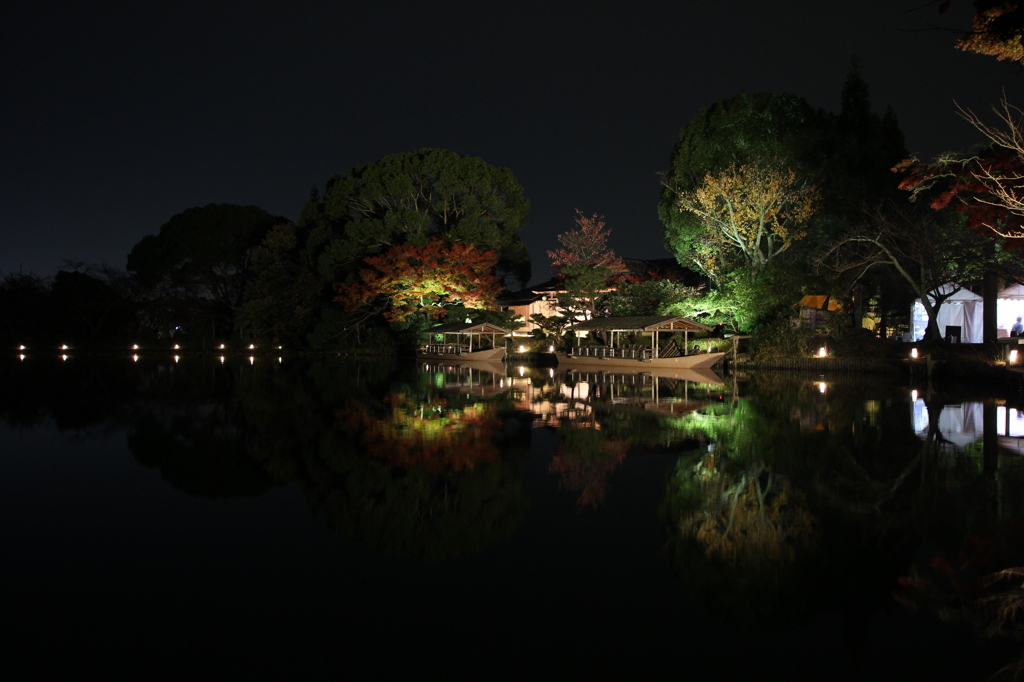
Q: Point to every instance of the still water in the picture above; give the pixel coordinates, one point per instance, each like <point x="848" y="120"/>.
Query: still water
<point x="289" y="518"/>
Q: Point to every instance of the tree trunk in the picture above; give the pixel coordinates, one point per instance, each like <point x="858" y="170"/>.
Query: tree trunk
<point x="990" y="294"/>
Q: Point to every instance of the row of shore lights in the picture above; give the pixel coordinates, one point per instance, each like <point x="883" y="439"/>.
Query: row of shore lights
<point x="1012" y="358"/>
<point x="135" y="357"/>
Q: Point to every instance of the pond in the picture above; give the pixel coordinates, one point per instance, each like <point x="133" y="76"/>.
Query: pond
<point x="281" y="517"/>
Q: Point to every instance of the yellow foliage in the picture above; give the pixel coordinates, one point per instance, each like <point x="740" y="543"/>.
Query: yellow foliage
<point x="758" y="211"/>
<point x="749" y="525"/>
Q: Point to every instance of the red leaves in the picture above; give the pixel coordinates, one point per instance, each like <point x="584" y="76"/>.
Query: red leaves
<point x="411" y="278"/>
<point x="958" y="184"/>
<point x="587" y="246"/>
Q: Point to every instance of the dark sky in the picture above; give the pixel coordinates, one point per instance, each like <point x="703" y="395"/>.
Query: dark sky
<point x="116" y="116"/>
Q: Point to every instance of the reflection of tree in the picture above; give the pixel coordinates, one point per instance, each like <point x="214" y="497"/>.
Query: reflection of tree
<point x="801" y="492"/>
<point x="199" y="451"/>
<point x="426" y="433"/>
<point x="187" y="425"/>
<point x="752" y="518"/>
<point x="433" y="477"/>
<point x="585" y="459"/>
<point x="81" y="393"/>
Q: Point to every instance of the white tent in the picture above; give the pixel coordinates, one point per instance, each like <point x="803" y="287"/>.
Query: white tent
<point x="1010" y="306"/>
<point x="959" y="317"/>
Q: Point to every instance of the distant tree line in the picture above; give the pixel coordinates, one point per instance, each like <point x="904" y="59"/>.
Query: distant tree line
<point x="766" y="199"/>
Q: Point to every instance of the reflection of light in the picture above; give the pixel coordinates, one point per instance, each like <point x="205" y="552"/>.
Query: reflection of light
<point x="821" y="386"/>
<point x="63" y="357"/>
<point x="522" y="349"/>
<point x="280" y="360"/>
<point x="135" y="358"/>
<point x="551" y="373"/>
<point x="913" y="353"/>
<point x="252" y="360"/>
<point x="551" y="349"/>
<point x="21" y="357"/>
<point x="222" y="359"/>
<point x="822" y="352"/>
<point x="522" y="371"/>
<point x="1013" y="356"/>
<point x="501" y="384"/>
<point x="177" y="357"/>
<point x="913" y="395"/>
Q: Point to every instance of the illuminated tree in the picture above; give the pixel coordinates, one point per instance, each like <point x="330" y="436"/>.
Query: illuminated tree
<point x="846" y="157"/>
<point x="751" y="213"/>
<point x="410" y="198"/>
<point x="998" y="30"/>
<point x="588" y="268"/>
<point x="587" y="245"/>
<point x="651" y="297"/>
<point x="932" y="252"/>
<point x="410" y="279"/>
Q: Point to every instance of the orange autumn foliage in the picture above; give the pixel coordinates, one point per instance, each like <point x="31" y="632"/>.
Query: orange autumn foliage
<point x="426" y="434"/>
<point x="408" y="279"/>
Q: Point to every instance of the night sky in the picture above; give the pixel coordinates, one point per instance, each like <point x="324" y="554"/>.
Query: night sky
<point x="117" y="116"/>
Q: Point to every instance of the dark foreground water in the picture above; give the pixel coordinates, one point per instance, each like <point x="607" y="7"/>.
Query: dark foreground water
<point x="274" y="518"/>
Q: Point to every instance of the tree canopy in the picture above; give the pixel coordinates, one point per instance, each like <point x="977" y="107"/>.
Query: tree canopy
<point x="410" y="198"/>
<point x="409" y="279"/>
<point x="997" y="30"/>
<point x="587" y="266"/>
<point x="752" y="213"/>
<point x="810" y="174"/>
<point x="199" y="262"/>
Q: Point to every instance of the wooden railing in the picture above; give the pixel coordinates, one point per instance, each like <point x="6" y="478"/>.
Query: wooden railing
<point x="446" y="348"/>
<point x="626" y="353"/>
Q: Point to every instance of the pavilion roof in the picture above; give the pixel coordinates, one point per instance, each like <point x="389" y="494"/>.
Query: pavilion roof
<point x="464" y="328"/>
<point x="644" y="323"/>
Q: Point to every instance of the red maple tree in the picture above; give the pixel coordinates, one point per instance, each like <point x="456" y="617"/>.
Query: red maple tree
<point x="408" y="279"/>
<point x="587" y="246"/>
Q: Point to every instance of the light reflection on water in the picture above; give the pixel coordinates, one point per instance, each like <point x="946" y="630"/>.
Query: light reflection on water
<point x="531" y="514"/>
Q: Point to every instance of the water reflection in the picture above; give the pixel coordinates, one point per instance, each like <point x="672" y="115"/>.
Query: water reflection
<point x="783" y="502"/>
<point x="601" y="417"/>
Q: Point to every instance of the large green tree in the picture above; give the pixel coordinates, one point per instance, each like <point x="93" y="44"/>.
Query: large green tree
<point x="194" y="271"/>
<point x="845" y="157"/>
<point x="410" y="198"/>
